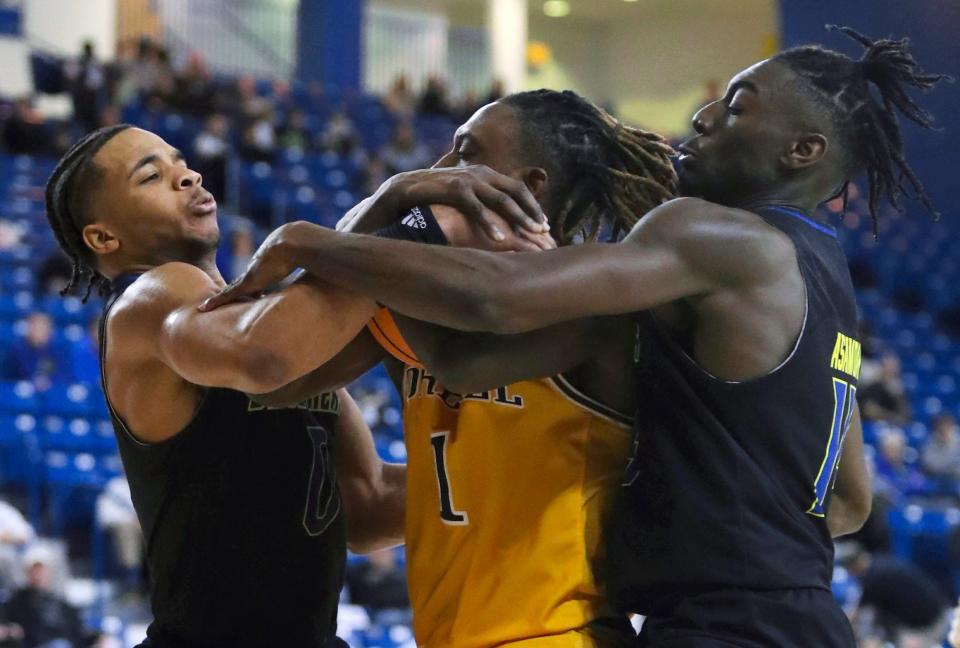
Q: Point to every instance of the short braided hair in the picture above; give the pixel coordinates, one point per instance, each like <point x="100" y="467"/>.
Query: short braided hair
<point x="67" y="196"/>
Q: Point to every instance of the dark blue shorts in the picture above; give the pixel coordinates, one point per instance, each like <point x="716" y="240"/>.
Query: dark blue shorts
<point x="801" y="618"/>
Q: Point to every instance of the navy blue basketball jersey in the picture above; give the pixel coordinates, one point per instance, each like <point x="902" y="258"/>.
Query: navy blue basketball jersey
<point x="245" y="539"/>
<point x="730" y="482"/>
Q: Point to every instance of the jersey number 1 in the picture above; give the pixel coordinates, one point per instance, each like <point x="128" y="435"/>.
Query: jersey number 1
<point x="844" y="401"/>
<point x="447" y="513"/>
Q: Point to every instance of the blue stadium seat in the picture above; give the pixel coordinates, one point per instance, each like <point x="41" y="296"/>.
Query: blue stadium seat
<point x="18" y="397"/>
<point x="17" y="305"/>
<point x="70" y="400"/>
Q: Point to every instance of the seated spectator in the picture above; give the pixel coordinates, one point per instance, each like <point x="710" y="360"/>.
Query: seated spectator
<point x="15" y="533"/>
<point x="340" y="135"/>
<point x="26" y="132"/>
<point x="378" y="583"/>
<point x="399" y="100"/>
<point x="260" y="138"/>
<point x="193" y="88"/>
<point x="497" y="93"/>
<point x="884" y="398"/>
<point x="895" y="477"/>
<point x="116" y="515"/>
<point x="210" y="150"/>
<point x="373" y="175"/>
<point x="48" y="621"/>
<point x="34" y="358"/>
<point x="404" y="152"/>
<point x="941" y="453"/>
<point x="293" y="135"/>
<point x="907" y="606"/>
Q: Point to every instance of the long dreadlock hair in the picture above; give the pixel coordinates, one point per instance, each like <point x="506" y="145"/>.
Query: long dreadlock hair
<point x="869" y="128"/>
<point x="601" y="171"/>
<point x="67" y="201"/>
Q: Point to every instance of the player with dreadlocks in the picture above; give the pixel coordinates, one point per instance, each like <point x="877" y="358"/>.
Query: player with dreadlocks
<point x="747" y="357"/>
<point x="245" y="518"/>
<point x="508" y="481"/>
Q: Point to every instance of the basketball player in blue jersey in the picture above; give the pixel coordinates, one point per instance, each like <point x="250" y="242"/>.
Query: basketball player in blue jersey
<point x="747" y="356"/>
<point x="247" y="510"/>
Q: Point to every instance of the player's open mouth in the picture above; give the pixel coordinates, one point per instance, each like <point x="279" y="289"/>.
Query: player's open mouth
<point x="204" y="206"/>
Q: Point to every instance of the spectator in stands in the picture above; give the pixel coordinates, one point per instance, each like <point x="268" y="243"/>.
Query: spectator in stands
<point x="25" y="132"/>
<point x="87" y="81"/>
<point x="404" y="152"/>
<point x="895" y="477"/>
<point x="85" y="355"/>
<point x="941" y="453"/>
<point x="293" y="134"/>
<point x="907" y="606"/>
<point x="260" y="138"/>
<point x="15" y="533"/>
<point x="340" y="135"/>
<point x="434" y="101"/>
<point x="399" y="100"/>
<point x="378" y="583"/>
<point x="210" y="150"/>
<point x="34" y="358"/>
<point x="884" y="398"/>
<point x="373" y="175"/>
<point x="115" y="514"/>
<point x="48" y="621"/>
<point x="193" y="89"/>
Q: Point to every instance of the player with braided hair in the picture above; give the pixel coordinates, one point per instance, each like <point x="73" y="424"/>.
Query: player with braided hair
<point x="747" y="353"/>
<point x="508" y="481"/>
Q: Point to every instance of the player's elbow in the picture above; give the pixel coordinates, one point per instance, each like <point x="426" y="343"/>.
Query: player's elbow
<point x="860" y="511"/>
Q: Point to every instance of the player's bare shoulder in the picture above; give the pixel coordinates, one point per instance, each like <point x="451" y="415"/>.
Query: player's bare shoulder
<point x="139" y="313"/>
<point x="729" y="243"/>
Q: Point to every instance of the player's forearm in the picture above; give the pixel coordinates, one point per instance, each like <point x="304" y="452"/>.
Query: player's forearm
<point x="378" y="521"/>
<point x="260" y="346"/>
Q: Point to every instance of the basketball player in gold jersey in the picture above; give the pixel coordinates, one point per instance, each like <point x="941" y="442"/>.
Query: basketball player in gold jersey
<point x="507" y="488"/>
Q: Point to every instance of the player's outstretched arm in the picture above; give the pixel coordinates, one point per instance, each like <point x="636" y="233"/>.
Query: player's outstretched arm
<point x="852" y="498"/>
<point x="475" y="362"/>
<point x="683" y="248"/>
<point x="373" y="491"/>
<point x="252" y="346"/>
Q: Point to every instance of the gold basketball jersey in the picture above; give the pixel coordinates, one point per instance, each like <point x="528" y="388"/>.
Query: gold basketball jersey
<point x="506" y="495"/>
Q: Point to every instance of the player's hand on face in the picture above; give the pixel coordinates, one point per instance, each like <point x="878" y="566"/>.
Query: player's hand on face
<point x="463" y="232"/>
<point x="477" y="191"/>
<point x="270" y="265"/>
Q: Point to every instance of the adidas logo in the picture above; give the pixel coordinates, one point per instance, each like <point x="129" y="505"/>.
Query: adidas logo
<point x="414" y="219"/>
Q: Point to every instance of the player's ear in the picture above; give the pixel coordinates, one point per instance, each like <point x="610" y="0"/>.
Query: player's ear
<point x="100" y="239"/>
<point x="536" y="180"/>
<point x="806" y="150"/>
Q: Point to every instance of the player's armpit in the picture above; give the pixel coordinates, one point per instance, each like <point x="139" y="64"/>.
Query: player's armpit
<point x="852" y="497"/>
<point x="373" y="491"/>
<point x="252" y="346"/>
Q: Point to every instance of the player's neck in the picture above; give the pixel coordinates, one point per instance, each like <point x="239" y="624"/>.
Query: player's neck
<point x="207" y="263"/>
<point x="782" y="197"/>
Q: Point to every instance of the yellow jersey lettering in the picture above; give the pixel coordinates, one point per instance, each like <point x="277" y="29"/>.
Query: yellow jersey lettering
<point x="847" y="356"/>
